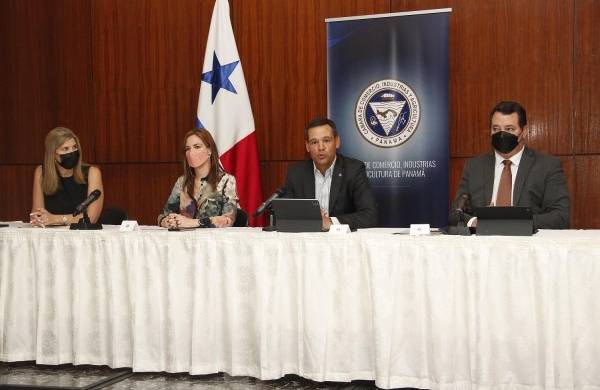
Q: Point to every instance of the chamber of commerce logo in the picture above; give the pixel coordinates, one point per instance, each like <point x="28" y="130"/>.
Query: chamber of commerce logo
<point x="387" y="113"/>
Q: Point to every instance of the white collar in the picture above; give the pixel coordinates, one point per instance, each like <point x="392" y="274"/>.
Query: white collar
<point x="515" y="159"/>
<point x="328" y="171"/>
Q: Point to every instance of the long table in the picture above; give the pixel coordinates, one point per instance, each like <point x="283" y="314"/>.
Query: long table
<point x="436" y="312"/>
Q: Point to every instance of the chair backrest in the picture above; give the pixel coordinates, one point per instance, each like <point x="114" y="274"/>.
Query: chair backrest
<point x="112" y="216"/>
<point x="241" y="218"/>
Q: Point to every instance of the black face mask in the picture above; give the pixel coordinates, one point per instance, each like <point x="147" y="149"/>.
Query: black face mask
<point x="69" y="160"/>
<point x="504" y="142"/>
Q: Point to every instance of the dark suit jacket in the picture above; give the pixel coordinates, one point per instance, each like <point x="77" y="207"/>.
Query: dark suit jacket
<point x="540" y="184"/>
<point x="351" y="200"/>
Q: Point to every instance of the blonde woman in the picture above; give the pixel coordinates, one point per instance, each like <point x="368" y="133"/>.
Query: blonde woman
<point x="205" y="195"/>
<point x="63" y="181"/>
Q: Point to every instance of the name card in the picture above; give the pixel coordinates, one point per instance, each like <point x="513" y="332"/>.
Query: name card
<point x="419" y="229"/>
<point x="339" y="229"/>
<point x="129" y="226"/>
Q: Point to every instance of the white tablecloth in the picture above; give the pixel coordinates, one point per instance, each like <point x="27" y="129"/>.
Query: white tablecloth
<point x="436" y="312"/>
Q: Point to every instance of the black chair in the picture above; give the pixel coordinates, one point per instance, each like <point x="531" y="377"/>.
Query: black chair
<point x="241" y="218"/>
<point x="112" y="216"/>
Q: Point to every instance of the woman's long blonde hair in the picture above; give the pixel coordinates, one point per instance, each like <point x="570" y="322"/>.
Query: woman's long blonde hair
<point x="50" y="177"/>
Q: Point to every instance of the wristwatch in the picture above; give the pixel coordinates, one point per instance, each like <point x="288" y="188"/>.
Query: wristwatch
<point x="64" y="220"/>
<point x="205" y="222"/>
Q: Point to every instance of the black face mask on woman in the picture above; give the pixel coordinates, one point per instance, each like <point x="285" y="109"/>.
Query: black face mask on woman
<point x="504" y="142"/>
<point x="69" y="160"/>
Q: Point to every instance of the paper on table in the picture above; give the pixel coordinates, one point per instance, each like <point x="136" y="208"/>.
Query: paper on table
<point x="16" y="224"/>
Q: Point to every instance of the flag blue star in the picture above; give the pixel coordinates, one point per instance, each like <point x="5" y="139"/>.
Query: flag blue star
<point x="218" y="77"/>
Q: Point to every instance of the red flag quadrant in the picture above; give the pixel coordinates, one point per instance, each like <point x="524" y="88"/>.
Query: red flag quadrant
<point x="242" y="161"/>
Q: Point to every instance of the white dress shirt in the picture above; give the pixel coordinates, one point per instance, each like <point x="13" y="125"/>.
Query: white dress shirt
<point x="323" y="187"/>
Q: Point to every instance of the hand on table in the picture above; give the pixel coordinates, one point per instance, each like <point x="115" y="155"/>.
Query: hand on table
<point x="172" y="221"/>
<point x="326" y="220"/>
<point x="42" y="218"/>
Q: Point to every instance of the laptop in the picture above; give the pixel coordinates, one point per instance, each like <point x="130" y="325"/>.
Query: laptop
<point x="297" y="215"/>
<point x="504" y="221"/>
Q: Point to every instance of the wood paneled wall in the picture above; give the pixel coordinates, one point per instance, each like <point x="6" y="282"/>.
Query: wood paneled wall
<point x="125" y="76"/>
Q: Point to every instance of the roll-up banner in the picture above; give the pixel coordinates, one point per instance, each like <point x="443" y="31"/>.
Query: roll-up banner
<point x="387" y="91"/>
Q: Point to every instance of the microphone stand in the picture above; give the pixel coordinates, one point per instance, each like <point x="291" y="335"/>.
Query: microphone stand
<point x="271" y="227"/>
<point x="85" y="223"/>
<point x="461" y="228"/>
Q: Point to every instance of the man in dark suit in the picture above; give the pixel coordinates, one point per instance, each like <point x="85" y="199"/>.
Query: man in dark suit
<point x="513" y="175"/>
<point x="339" y="183"/>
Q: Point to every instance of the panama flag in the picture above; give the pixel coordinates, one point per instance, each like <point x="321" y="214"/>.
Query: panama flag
<point x="224" y="109"/>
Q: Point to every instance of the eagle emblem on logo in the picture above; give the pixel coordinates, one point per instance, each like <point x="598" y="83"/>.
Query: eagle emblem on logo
<point x="387" y="113"/>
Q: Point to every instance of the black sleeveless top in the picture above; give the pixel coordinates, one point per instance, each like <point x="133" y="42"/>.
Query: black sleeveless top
<point x="69" y="194"/>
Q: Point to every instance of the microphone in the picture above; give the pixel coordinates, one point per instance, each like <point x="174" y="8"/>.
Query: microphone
<point x="459" y="212"/>
<point x="261" y="209"/>
<point x="85" y="204"/>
